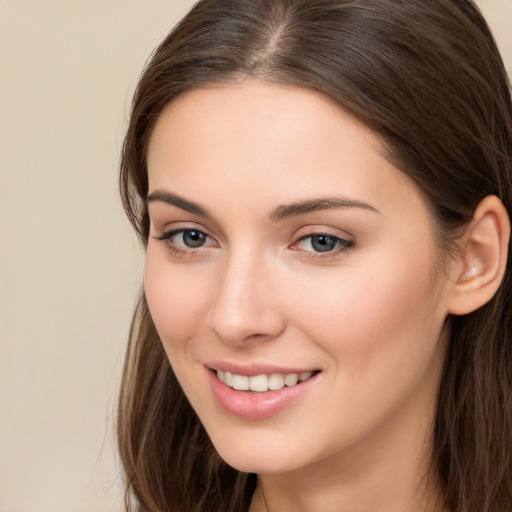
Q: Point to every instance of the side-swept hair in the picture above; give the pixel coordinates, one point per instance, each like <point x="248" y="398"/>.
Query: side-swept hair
<point x="426" y="76"/>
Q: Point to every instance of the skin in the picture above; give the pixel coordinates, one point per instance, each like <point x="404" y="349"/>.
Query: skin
<point x="371" y="317"/>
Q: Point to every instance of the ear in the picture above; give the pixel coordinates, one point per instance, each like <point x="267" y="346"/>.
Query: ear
<point x="481" y="263"/>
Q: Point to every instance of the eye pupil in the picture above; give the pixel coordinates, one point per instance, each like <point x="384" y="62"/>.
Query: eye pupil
<point x="193" y="238"/>
<point x="323" y="243"/>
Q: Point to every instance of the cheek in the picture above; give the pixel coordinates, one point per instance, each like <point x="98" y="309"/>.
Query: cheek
<point x="175" y="299"/>
<point x="177" y="302"/>
<point x="373" y="317"/>
<point x="381" y="331"/>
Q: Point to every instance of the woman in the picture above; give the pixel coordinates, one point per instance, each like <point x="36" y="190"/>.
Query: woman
<point x="323" y="188"/>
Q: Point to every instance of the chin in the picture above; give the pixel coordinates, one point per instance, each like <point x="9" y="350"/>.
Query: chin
<point x="262" y="463"/>
<point x="262" y="456"/>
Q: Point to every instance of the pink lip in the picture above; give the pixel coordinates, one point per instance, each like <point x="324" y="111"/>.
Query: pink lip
<point x="253" y="405"/>
<point x="251" y="370"/>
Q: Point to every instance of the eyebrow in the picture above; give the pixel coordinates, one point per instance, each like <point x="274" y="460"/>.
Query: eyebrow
<point x="282" y="212"/>
<point x="312" y="205"/>
<point x="178" y="201"/>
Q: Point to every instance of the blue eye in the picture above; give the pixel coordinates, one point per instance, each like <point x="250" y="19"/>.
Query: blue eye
<point x="183" y="239"/>
<point x="193" y="238"/>
<point x="322" y="243"/>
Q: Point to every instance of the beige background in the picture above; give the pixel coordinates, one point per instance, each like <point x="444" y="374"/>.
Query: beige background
<point x="69" y="264"/>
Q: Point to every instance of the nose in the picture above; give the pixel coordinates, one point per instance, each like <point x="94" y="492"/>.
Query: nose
<point x="245" y="307"/>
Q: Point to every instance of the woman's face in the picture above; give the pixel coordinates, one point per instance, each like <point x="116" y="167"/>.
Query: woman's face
<point x="283" y="247"/>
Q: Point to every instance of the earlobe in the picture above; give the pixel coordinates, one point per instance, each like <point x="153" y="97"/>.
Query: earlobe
<point x="483" y="257"/>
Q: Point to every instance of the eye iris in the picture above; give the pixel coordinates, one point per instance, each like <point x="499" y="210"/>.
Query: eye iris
<point x="323" y="243"/>
<point x="193" y="238"/>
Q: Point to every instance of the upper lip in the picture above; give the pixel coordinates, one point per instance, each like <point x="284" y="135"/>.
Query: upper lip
<point x="253" y="369"/>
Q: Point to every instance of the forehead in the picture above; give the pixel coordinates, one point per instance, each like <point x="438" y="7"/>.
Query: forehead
<point x="254" y="106"/>
<point x="267" y="144"/>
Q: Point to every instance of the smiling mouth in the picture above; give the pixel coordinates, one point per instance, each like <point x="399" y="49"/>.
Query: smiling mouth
<point x="263" y="383"/>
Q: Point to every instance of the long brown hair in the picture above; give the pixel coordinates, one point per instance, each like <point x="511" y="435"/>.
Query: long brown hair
<point x="427" y="77"/>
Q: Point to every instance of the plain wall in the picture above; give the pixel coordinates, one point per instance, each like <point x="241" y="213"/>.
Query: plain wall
<point x="70" y="266"/>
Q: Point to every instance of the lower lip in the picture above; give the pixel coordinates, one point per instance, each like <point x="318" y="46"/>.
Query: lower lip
<point x="254" y="405"/>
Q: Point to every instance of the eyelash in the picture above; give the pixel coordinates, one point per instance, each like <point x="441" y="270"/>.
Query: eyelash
<point x="340" y="244"/>
<point x="190" y="251"/>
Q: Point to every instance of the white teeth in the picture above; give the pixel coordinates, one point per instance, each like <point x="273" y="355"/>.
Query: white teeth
<point x="276" y="381"/>
<point x="291" y="379"/>
<point x="228" y="379"/>
<point x="258" y="383"/>
<point x="261" y="383"/>
<point x="304" y="376"/>
<point x="241" y="382"/>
